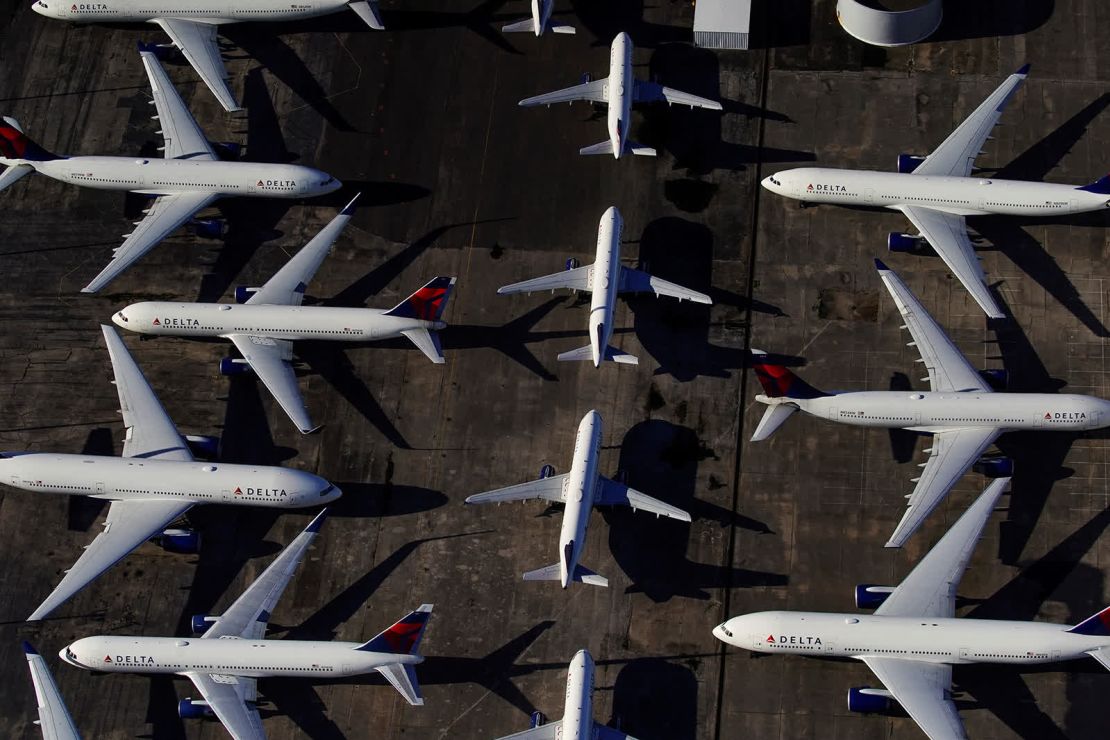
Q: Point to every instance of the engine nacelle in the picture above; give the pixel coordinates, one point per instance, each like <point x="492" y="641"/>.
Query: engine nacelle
<point x="871" y="596"/>
<point x="207" y="228"/>
<point x="573" y="264"/>
<point x="899" y="242"/>
<point x="997" y="378"/>
<point x="994" y="467"/>
<point x="234" y="366"/>
<point x="227" y="151"/>
<point x="867" y="700"/>
<point x="181" y="541"/>
<point x="243" y="293"/>
<point x="194" y="709"/>
<point x="163" y="52"/>
<point x="203" y="446"/>
<point x="200" y="623"/>
<point x="907" y="163"/>
<point x="547" y="471"/>
<point x="538" y="719"/>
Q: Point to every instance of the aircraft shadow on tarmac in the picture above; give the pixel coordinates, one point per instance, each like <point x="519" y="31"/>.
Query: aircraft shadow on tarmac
<point x="653" y="697"/>
<point x="661" y="459"/>
<point x="605" y="20"/>
<point x="991" y="18"/>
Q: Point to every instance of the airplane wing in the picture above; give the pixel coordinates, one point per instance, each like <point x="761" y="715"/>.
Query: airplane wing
<point x="548" y="731"/>
<point x="930" y="588"/>
<point x="197" y="41"/>
<point x="953" y="452"/>
<point x="54" y="719"/>
<point x="947" y="234"/>
<point x="550" y="488"/>
<point x="651" y="92"/>
<point x="923" y="690"/>
<point x="130" y="523"/>
<point x="184" y="139"/>
<point x="638" y="281"/>
<point x="162" y="219"/>
<point x="247" y="617"/>
<point x="227" y="698"/>
<point x="948" y="369"/>
<point x="596" y="91"/>
<point x="580" y="278"/>
<point x="287" y="286"/>
<point x="956" y="154"/>
<point x="612" y="493"/>
<point x="271" y="360"/>
<point x="149" y="431"/>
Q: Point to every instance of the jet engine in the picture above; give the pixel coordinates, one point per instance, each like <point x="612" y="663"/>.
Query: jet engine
<point x="243" y="293"/>
<point x="871" y="596"/>
<point x="207" y="228"/>
<point x="180" y="540"/>
<point x="867" y="700"/>
<point x="899" y="242"/>
<point x="907" y="163"/>
<point x="547" y="471"/>
<point x="997" y="378"/>
<point x="234" y="366"/>
<point x="200" y="623"/>
<point x="994" y="466"/>
<point x="203" y="446"/>
<point x="573" y="264"/>
<point x="194" y="709"/>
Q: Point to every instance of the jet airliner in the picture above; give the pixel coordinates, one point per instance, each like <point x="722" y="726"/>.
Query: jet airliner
<point x="580" y="490"/>
<point x="913" y="639"/>
<point x="155" y="481"/>
<point x="936" y="193"/>
<point x="272" y="318"/>
<point x="960" y="410"/>
<point x="605" y="278"/>
<point x="193" y="25"/>
<point x="232" y="652"/>
<point x="619" y="91"/>
<point x="189" y="178"/>
<point x="540" y="22"/>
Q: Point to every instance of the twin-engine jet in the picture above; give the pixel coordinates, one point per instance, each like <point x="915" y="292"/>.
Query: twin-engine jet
<point x="604" y="279"/>
<point x="155" y="482"/>
<point x="540" y="22"/>
<point x="578" y="716"/>
<point x="54" y="718"/>
<point x="937" y="192"/>
<point x="232" y="652"/>
<point x="580" y="490"/>
<point x="193" y="25"/>
<point x="619" y="91"/>
<point x="913" y="639"/>
<point x="272" y="318"/>
<point x="960" y="410"/>
<point x="189" y="178"/>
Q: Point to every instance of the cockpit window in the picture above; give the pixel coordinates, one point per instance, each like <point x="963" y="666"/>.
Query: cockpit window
<point x="122" y="316"/>
<point x="774" y="181"/>
<point x="726" y="630"/>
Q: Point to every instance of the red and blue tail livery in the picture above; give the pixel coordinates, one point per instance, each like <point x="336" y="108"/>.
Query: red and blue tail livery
<point x="426" y="304"/>
<point x="1096" y="625"/>
<point x="14" y="144"/>
<point x="403" y="638"/>
<point x="779" y="382"/>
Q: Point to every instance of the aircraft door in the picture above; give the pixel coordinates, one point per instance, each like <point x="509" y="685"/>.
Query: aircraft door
<point x="965" y="654"/>
<point x="1093" y="422"/>
<point x="833" y="413"/>
<point x="99" y="487"/>
<point x="869" y="195"/>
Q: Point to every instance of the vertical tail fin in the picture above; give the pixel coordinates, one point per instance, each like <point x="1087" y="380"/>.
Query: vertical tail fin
<point x="1095" y="625"/>
<point x="403" y="637"/>
<point x="14" y="144"/>
<point x="1100" y="186"/>
<point x="778" y="381"/>
<point x="428" y="303"/>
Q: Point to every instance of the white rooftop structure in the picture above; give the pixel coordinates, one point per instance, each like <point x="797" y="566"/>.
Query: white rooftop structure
<point x="722" y="24"/>
<point x="878" y="27"/>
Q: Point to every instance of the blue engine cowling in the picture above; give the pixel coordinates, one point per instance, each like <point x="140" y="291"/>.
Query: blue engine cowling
<point x="183" y="541"/>
<point x="243" y="293"/>
<point x="997" y="378"/>
<point x="869" y="703"/>
<point x="538" y="719"/>
<point x="899" y="242"/>
<point x="200" y="623"/>
<point x="233" y="366"/>
<point x="907" y="163"/>
<point x="191" y="709"/>
<point x="573" y="264"/>
<point x="547" y="471"/>
<point x="872" y="595"/>
<point x="203" y="446"/>
<point x="207" y="228"/>
<point x="994" y="467"/>
<point x="227" y="151"/>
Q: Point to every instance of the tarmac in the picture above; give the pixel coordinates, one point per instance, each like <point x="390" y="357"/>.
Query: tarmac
<point x="456" y="180"/>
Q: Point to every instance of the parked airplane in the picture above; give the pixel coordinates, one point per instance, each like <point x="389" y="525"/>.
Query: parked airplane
<point x="54" y="719"/>
<point x="612" y="277"/>
<point x="232" y="652"/>
<point x="188" y="179"/>
<point x="540" y="21"/>
<point x="155" y="481"/>
<point x="913" y="639"/>
<point x="960" y="409"/>
<point x="578" y="715"/>
<point x="580" y="490"/>
<point x="265" y="328"/>
<point x="937" y="192"/>
<point x="192" y="25"/>
<point x="619" y="91"/>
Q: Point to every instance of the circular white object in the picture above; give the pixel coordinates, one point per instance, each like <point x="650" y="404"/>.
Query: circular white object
<point x="889" y="27"/>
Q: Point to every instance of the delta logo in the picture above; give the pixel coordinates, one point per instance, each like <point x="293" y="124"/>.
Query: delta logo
<point x="88" y="6"/>
<point x="277" y="183"/>
<point x="1065" y="416"/>
<point x="183" y="323"/>
<point x="793" y="640"/>
<point x="130" y="660"/>
<point x="107" y="658"/>
<point x="827" y="188"/>
<point x="260" y="492"/>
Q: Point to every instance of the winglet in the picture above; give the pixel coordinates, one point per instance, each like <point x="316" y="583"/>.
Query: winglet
<point x="318" y="521"/>
<point x="29" y="649"/>
<point x="880" y="265"/>
<point x="350" y="207"/>
<point x="1024" y="70"/>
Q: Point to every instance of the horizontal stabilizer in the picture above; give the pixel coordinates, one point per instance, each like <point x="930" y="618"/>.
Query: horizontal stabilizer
<point x="546" y="731"/>
<point x="427" y="342"/>
<point x="583" y="354"/>
<point x="640" y="150"/>
<point x="772" y="419"/>
<point x="560" y="27"/>
<point x="602" y="147"/>
<point x="551" y="572"/>
<point x="1102" y="655"/>
<point x="525" y="26"/>
<point x="402" y="676"/>
<point x="13" y="174"/>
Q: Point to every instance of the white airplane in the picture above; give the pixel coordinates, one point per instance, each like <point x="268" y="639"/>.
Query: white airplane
<point x="155" y="481"/>
<point x="540" y="21"/>
<point x="619" y="91"/>
<point x="578" y="715"/>
<point x="937" y="192"/>
<point x="264" y="329"/>
<point x="232" y="652"/>
<point x="580" y="490"/>
<point x="913" y="640"/>
<point x="193" y="25"/>
<point x="605" y="278"/>
<point x="54" y="719"/>
<point x="189" y="177"/>
<point x="959" y="410"/>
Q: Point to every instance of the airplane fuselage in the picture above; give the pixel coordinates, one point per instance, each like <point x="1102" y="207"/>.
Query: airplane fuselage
<point x="578" y="713"/>
<point x="206" y="11"/>
<point x="581" y="485"/>
<point x="119" y="478"/>
<point x="961" y="196"/>
<point x="605" y="282"/>
<point x="923" y="639"/>
<point x="238" y="657"/>
<point x="541" y="15"/>
<point x="278" y="322"/>
<point x="620" y="92"/>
